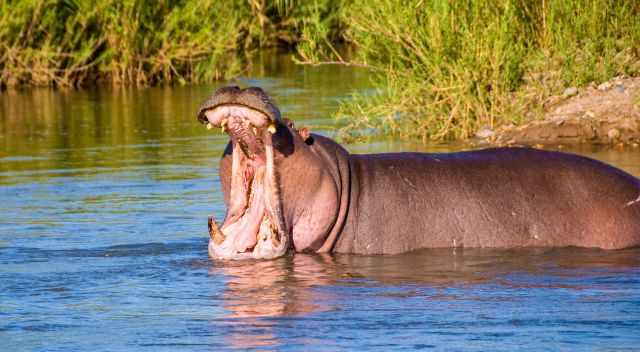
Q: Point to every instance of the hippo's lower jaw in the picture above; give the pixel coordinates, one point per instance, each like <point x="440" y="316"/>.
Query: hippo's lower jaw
<point x="254" y="225"/>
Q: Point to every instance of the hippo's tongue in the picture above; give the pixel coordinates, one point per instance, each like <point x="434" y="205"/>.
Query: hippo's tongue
<point x="244" y="231"/>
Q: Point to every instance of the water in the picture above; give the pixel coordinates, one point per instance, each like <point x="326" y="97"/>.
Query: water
<point x="104" y="198"/>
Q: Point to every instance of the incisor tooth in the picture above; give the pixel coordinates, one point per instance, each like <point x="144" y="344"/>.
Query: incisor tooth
<point x="209" y="126"/>
<point x="271" y="128"/>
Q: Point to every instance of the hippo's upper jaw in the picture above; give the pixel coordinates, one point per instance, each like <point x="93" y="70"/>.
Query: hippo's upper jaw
<point x="254" y="226"/>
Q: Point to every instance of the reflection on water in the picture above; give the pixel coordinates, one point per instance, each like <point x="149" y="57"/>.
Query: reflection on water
<point x="105" y="194"/>
<point x="276" y="287"/>
<point x="45" y="133"/>
<point x="440" y="296"/>
<point x="287" y="286"/>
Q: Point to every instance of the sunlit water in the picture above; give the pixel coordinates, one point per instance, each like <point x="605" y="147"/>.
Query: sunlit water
<point x="104" y="195"/>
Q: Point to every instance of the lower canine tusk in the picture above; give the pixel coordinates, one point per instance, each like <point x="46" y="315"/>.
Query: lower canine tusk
<point x="209" y="126"/>
<point x="271" y="128"/>
<point x="214" y="232"/>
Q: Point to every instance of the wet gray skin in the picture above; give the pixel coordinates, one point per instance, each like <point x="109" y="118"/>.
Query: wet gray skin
<point x="285" y="189"/>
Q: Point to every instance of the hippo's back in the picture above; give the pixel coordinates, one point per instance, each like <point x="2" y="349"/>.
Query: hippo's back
<point x="504" y="197"/>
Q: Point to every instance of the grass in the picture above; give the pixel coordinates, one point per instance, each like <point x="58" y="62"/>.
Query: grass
<point x="142" y="42"/>
<point x="443" y="69"/>
<point x="447" y="68"/>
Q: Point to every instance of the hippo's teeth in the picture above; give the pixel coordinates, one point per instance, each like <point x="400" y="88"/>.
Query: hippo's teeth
<point x="275" y="238"/>
<point x="255" y="130"/>
<point x="223" y="125"/>
<point x="209" y="126"/>
<point x="214" y="232"/>
<point x="271" y="128"/>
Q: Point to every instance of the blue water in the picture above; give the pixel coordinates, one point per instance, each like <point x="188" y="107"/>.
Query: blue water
<point x="104" y="196"/>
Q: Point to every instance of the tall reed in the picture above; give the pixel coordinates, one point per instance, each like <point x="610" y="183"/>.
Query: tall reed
<point x="75" y="42"/>
<point x="447" y="68"/>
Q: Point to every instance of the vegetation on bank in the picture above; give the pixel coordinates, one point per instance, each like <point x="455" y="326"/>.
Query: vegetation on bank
<point x="443" y="68"/>
<point x="142" y="42"/>
<point x="449" y="68"/>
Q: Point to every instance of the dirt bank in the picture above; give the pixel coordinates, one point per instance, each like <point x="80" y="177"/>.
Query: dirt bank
<point x="605" y="114"/>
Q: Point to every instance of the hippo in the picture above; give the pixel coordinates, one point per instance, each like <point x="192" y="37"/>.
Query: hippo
<point x="289" y="191"/>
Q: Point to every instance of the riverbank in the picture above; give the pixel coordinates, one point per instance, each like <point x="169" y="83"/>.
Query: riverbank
<point x="604" y="114"/>
<point x="441" y="70"/>
<point x="448" y="70"/>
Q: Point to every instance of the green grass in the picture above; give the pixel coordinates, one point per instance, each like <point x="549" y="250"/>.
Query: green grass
<point x="78" y="42"/>
<point x="443" y="69"/>
<point x="447" y="68"/>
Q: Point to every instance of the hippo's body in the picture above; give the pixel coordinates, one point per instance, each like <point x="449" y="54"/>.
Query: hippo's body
<point x="507" y="197"/>
<point x="287" y="190"/>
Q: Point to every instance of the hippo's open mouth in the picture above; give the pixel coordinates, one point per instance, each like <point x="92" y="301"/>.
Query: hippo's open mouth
<point x="254" y="225"/>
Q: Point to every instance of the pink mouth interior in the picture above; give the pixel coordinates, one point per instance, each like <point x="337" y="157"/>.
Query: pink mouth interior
<point x="251" y="226"/>
<point x="244" y="225"/>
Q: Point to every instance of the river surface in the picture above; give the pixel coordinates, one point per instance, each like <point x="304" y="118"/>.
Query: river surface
<point x="104" y="196"/>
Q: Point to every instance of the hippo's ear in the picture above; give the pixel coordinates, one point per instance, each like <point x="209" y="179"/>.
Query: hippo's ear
<point x="305" y="134"/>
